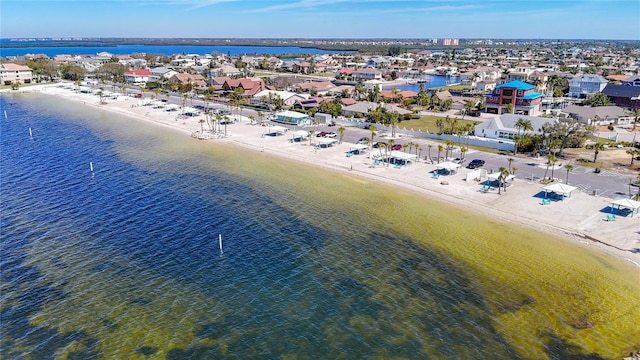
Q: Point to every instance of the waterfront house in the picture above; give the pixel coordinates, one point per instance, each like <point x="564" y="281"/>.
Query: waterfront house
<point x="366" y="74"/>
<point x="503" y="127"/>
<point x="584" y="85"/>
<point x="13" y="73"/>
<point x="521" y="95"/>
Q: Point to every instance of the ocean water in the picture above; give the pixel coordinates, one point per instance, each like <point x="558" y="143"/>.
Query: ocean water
<point x="124" y="262"/>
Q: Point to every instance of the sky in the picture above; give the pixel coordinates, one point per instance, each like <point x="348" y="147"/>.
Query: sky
<point x="425" y="19"/>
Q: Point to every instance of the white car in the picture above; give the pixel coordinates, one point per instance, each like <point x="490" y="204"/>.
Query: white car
<point x="331" y="135"/>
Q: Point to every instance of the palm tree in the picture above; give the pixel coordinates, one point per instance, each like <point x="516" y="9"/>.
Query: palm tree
<point x="509" y="108"/>
<point x="510" y="160"/>
<point x="463" y="150"/>
<point x="373" y="130"/>
<point x="596" y="148"/>
<point x="440" y="148"/>
<point x="503" y="173"/>
<point x="311" y="132"/>
<point x="523" y="125"/>
<point x="449" y="146"/>
<point x="569" y="169"/>
<point x="202" y="121"/>
<point x="552" y="160"/>
<point x="341" y="131"/>
<point x="429" y="152"/>
<point x="419" y="149"/>
<point x="633" y="153"/>
<point x="636" y="116"/>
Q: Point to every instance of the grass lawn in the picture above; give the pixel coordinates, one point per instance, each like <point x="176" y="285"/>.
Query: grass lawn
<point x="428" y="123"/>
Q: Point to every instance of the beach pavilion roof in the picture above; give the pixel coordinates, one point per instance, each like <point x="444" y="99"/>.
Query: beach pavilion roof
<point x="448" y="165"/>
<point x="276" y="129"/>
<point x="358" y="147"/>
<point x="494" y="176"/>
<point x="300" y="133"/>
<point x="559" y="188"/>
<point x="633" y="205"/>
<point x="327" y="141"/>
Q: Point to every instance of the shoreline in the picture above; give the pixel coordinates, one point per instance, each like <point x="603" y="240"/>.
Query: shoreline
<point x="578" y="220"/>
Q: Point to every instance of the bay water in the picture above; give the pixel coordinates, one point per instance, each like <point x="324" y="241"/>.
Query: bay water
<point x="124" y="262"/>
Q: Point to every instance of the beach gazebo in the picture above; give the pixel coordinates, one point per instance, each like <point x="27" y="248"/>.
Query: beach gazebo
<point x="559" y="189"/>
<point x="400" y="158"/>
<point x="632" y="205"/>
<point x="298" y="135"/>
<point x="326" y="142"/>
<point x="276" y="130"/>
<point x="357" y="149"/>
<point x="448" y="166"/>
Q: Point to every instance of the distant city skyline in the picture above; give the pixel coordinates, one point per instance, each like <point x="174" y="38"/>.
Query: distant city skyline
<point x="491" y="19"/>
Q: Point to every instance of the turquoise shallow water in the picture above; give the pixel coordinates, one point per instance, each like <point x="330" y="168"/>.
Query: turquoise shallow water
<point x="124" y="262"/>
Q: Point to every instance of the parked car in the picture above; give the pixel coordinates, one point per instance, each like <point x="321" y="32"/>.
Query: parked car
<point x="330" y="134"/>
<point x="458" y="160"/>
<point x="321" y="134"/>
<point x="138" y="95"/>
<point x="379" y="144"/>
<point x="475" y="163"/>
<point x="396" y="147"/>
<point x="363" y="140"/>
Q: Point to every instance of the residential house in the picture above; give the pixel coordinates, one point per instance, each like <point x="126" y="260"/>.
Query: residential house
<point x="521" y="95"/>
<point x="286" y="82"/>
<point x="217" y="82"/>
<point x="197" y="80"/>
<point x="623" y="95"/>
<point x="362" y="108"/>
<point x="303" y="67"/>
<point x="248" y="87"/>
<point x="503" y="127"/>
<point x="584" y="85"/>
<point x="225" y="70"/>
<point x="137" y="76"/>
<point x="366" y="74"/>
<point x="521" y="72"/>
<point x="13" y="73"/>
<point x="632" y="81"/>
<point x="160" y="73"/>
<point x="393" y="95"/>
<point x="598" y="115"/>
<point x="265" y="97"/>
<point x="315" y="87"/>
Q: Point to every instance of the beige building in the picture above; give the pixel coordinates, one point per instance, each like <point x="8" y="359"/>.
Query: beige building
<point x="13" y="73"/>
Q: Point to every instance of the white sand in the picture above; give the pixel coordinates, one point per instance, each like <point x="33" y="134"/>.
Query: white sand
<point x="578" y="219"/>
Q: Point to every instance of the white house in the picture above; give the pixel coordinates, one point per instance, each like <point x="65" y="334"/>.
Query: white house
<point x="503" y="127"/>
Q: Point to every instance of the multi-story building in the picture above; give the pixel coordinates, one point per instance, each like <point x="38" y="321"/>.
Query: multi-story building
<point x="585" y="85"/>
<point x="14" y="73"/>
<point x="514" y="96"/>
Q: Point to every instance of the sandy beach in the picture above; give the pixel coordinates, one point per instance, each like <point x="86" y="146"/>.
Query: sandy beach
<point x="579" y="219"/>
